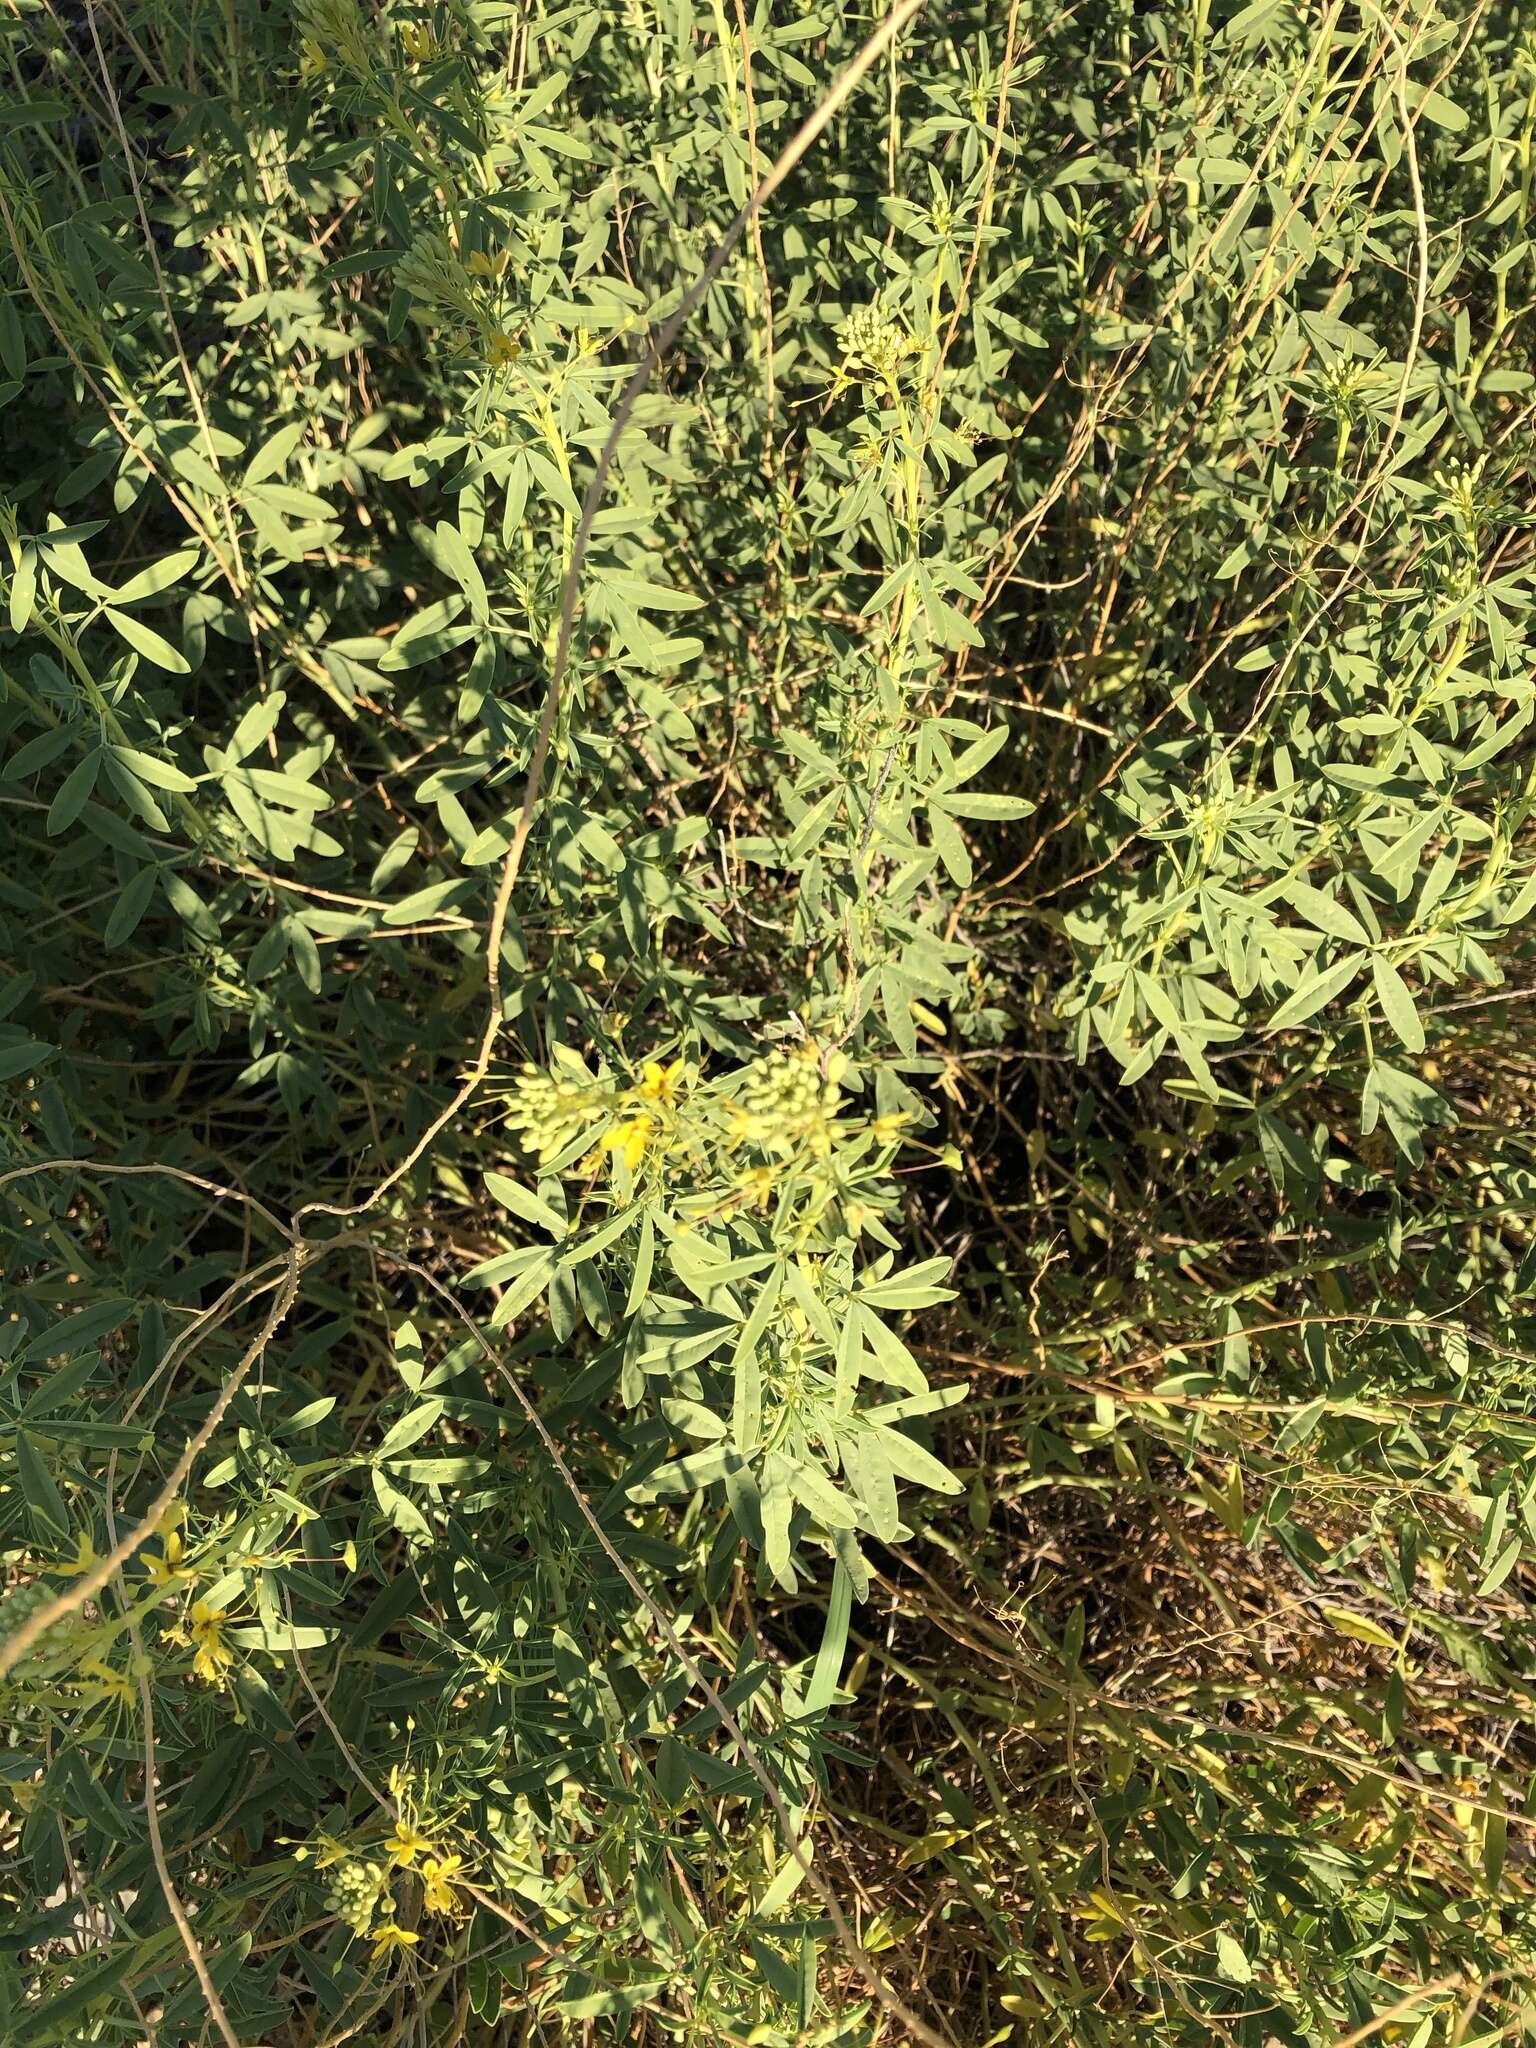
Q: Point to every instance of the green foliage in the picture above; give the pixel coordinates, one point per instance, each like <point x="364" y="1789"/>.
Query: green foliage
<point x="864" y="1255"/>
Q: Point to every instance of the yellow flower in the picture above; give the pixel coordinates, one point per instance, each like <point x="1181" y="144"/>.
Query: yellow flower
<point x="114" y="1684"/>
<point x="84" y="1557"/>
<point x="313" y="62"/>
<point x="743" y="1125"/>
<point x="630" y="1138"/>
<point x="419" y="42"/>
<point x="503" y="350"/>
<point x="20" y="1795"/>
<point x="437" y="1873"/>
<point x="166" y="1569"/>
<point x="214" y="1659"/>
<point x="659" y="1083"/>
<point x="392" y="1936"/>
<point x="406" y="1843"/>
<point x="482" y="264"/>
<point x="757" y="1185"/>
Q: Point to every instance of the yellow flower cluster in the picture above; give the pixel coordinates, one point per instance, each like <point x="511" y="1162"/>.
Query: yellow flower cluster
<point x="353" y="1891"/>
<point x="731" y="1144"/>
<point x="437" y="1892"/>
<point x="212" y="1659"/>
<point x="360" y="1888"/>
<point x="783" y="1108"/>
<point x="656" y="1092"/>
<point x="552" y="1111"/>
<point x="167" y="1569"/>
<point x="659" y="1083"/>
<point x="406" y="1843"/>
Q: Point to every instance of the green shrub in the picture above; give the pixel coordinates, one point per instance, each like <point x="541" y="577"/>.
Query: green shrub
<point x="767" y="1160"/>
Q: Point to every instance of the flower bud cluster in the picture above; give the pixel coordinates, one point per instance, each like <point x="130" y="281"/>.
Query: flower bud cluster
<point x="352" y="1892"/>
<point x="868" y="337"/>
<point x="786" y="1101"/>
<point x="19" y="1607"/>
<point x="550" y="1110"/>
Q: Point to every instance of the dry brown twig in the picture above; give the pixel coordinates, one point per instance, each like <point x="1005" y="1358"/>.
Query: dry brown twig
<point x="172" y="1897"/>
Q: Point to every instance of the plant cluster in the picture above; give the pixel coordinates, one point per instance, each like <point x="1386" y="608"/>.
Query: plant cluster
<point x="766" y="1145"/>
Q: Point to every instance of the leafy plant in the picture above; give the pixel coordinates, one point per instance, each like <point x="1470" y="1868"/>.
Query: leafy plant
<point x="766" y="1115"/>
